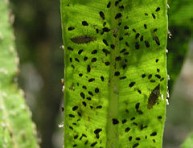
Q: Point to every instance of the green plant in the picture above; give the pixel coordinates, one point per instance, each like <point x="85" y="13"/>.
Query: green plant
<point x="180" y="26"/>
<point x="16" y="127"/>
<point x="115" y="72"/>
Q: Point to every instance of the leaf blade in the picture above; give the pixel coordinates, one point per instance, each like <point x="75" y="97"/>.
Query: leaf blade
<point x="131" y="61"/>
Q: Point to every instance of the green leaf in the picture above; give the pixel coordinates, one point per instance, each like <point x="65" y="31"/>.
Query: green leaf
<point x="115" y="73"/>
<point x="16" y="127"/>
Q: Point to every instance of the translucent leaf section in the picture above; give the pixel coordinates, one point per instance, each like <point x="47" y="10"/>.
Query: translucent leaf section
<point x="115" y="73"/>
<point x="16" y="127"/>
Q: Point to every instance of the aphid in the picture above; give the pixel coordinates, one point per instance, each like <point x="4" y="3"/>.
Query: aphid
<point x="115" y="121"/>
<point x="147" y="44"/>
<point x="84" y="23"/>
<point x="88" y="68"/>
<point x="137" y="35"/>
<point x="130" y="138"/>
<point x="117" y="3"/>
<point x="156" y="39"/>
<point x="153" y="15"/>
<point x="121" y="7"/>
<point x="97" y="131"/>
<point x="109" y="5"/>
<point x="80" y="51"/>
<point x="135" y="145"/>
<point x="127" y="129"/>
<point x="153" y="134"/>
<point x="131" y="84"/>
<point x="117" y="73"/>
<point x="137" y="45"/>
<point x="153" y="97"/>
<point x="106" y="29"/>
<point x="126" y="27"/>
<point x="145" y="26"/>
<point x="70" y="28"/>
<point x="118" y="15"/>
<point x="157" y="9"/>
<point x="93" y="144"/>
<point x="124" y="77"/>
<point x="105" y="42"/>
<point x="82" y="39"/>
<point x="102" y="15"/>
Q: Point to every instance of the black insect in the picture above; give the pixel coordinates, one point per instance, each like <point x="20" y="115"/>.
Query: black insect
<point x="156" y="39"/>
<point x="102" y="15"/>
<point x="82" y="39"/>
<point x="153" y="97"/>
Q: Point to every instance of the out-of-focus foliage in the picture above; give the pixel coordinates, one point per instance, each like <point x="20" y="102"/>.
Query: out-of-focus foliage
<point x="16" y="127"/>
<point x="179" y="113"/>
<point x="188" y="143"/>
<point x="38" y="40"/>
<point x="180" y="13"/>
<point x="180" y="26"/>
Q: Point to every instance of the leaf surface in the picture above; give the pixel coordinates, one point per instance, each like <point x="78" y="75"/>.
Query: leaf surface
<point x="115" y="73"/>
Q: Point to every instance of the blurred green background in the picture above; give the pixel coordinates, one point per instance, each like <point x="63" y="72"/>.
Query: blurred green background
<point x="38" y="40"/>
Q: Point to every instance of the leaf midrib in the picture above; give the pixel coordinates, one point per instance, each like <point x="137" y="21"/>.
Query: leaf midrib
<point x="113" y="97"/>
